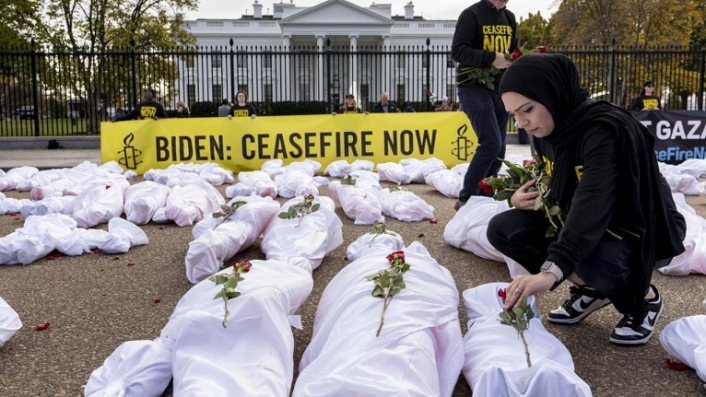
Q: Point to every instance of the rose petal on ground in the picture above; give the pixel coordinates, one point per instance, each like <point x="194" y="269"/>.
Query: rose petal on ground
<point x="41" y="327"/>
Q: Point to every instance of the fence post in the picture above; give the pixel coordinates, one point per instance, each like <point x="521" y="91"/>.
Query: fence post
<point x="232" y="70"/>
<point x="427" y="104"/>
<point x="35" y="88"/>
<point x="612" y="72"/>
<point x="134" y="72"/>
<point x="328" y="75"/>
<point x="702" y="78"/>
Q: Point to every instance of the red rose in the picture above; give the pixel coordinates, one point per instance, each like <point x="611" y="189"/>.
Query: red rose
<point x="242" y="267"/>
<point x="675" y="364"/>
<point x="396" y="255"/>
<point x="529" y="163"/>
<point x="516" y="54"/>
<point x="542" y="48"/>
<point x="502" y="294"/>
<point x="484" y="187"/>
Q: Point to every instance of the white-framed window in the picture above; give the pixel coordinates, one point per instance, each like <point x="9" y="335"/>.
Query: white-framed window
<point x="304" y="91"/>
<point x="267" y="60"/>
<point x="217" y="92"/>
<point x="191" y="93"/>
<point x="451" y="92"/>
<point x="267" y="90"/>
<point x="401" y="61"/>
<point x="401" y="94"/>
<point x="216" y="59"/>
<point x="241" y="61"/>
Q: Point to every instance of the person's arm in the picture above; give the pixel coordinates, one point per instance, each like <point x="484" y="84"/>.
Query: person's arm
<point x="161" y="113"/>
<point x="593" y="204"/>
<point x="513" y="25"/>
<point x="251" y="111"/>
<point x="659" y="103"/>
<point x="132" y="115"/>
<point x="636" y="104"/>
<point x="462" y="50"/>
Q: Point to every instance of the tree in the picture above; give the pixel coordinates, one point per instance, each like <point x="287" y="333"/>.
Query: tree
<point x="533" y="31"/>
<point x="100" y="34"/>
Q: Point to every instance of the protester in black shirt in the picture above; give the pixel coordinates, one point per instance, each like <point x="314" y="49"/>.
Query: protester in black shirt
<point x="620" y="219"/>
<point x="147" y="109"/>
<point x="647" y="100"/>
<point x="242" y="108"/>
<point x="349" y="107"/>
<point x="486" y="32"/>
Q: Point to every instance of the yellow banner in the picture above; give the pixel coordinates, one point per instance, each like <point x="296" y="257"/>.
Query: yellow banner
<point x="244" y="144"/>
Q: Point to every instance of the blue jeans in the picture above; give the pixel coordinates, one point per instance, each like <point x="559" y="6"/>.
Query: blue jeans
<point x="520" y="235"/>
<point x="489" y="120"/>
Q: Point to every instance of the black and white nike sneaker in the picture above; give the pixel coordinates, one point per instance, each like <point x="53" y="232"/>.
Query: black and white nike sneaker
<point x="583" y="301"/>
<point x="631" y="334"/>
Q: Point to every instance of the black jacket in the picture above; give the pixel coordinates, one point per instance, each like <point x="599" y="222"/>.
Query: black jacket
<point x="145" y="110"/>
<point x="605" y="176"/>
<point x="481" y="31"/>
<point x="391" y="108"/>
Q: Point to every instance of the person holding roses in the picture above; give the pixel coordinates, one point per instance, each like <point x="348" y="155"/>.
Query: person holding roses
<point x="620" y="218"/>
<point x="485" y="36"/>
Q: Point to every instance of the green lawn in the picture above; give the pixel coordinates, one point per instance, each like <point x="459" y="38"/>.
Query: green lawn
<point x="47" y="127"/>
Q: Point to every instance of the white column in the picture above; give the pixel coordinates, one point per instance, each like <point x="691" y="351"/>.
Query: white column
<point x="354" y="66"/>
<point x="386" y="81"/>
<point x="287" y="80"/>
<point x="320" y="70"/>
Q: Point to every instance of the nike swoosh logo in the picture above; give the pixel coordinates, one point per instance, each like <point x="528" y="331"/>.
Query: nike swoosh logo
<point x="652" y="318"/>
<point x="583" y="304"/>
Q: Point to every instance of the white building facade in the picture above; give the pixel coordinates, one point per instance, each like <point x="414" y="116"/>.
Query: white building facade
<point x="321" y="53"/>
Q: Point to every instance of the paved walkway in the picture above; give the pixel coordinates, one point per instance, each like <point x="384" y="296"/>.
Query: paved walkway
<point x="62" y="158"/>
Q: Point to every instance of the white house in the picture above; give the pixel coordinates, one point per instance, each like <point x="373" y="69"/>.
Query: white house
<point x="320" y="52"/>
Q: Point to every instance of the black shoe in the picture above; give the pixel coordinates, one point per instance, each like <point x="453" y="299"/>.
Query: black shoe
<point x="630" y="334"/>
<point x="583" y="301"/>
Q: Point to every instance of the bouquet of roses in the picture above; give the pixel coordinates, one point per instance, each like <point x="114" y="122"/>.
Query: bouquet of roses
<point x="504" y="187"/>
<point x="487" y="76"/>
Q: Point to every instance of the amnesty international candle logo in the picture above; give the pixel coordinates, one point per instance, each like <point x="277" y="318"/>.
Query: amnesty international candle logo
<point x="130" y="154"/>
<point x="463" y="146"/>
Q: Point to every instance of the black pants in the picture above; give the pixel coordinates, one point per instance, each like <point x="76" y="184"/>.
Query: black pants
<point x="520" y="235"/>
<point x="489" y="120"/>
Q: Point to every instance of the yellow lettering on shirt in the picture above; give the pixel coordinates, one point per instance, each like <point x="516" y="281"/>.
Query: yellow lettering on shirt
<point x="497" y="38"/>
<point x="240" y="113"/>
<point x="354" y="111"/>
<point x="148" y="112"/>
<point x="650" y="104"/>
<point x="549" y="167"/>
<point x="579" y="172"/>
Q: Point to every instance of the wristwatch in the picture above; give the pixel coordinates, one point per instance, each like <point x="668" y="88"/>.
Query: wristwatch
<point x="551" y="267"/>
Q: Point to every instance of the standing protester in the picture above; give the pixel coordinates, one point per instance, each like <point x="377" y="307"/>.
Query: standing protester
<point x="147" y="109"/>
<point x="620" y="218"/>
<point x="182" y="110"/>
<point x="349" y="107"/>
<point x="385" y="105"/>
<point x="241" y="108"/>
<point x="409" y="108"/>
<point x="485" y="34"/>
<point x="647" y="100"/>
<point x="224" y="109"/>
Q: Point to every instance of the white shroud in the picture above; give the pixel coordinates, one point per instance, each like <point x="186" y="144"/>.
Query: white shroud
<point x="419" y="351"/>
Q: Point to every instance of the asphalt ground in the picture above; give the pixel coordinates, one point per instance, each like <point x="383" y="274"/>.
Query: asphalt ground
<point x="95" y="302"/>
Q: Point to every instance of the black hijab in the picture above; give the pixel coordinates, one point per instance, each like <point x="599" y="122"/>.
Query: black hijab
<point x="552" y="80"/>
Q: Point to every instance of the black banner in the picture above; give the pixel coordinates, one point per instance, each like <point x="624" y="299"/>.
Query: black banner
<point x="680" y="135"/>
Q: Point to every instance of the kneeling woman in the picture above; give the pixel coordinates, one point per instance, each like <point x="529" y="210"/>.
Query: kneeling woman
<point x="621" y="220"/>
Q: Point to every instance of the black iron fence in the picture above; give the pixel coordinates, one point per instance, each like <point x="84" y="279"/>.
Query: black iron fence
<point x="46" y="92"/>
